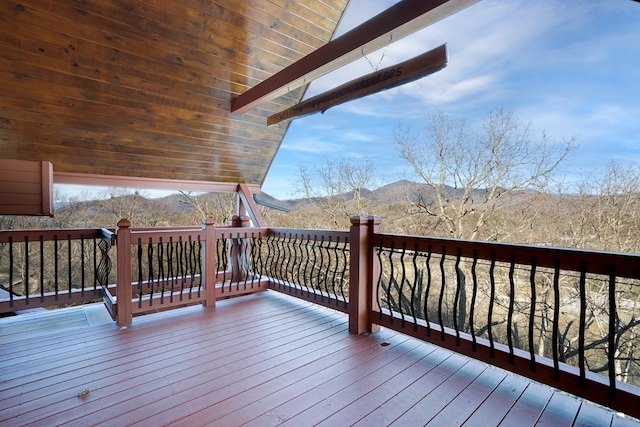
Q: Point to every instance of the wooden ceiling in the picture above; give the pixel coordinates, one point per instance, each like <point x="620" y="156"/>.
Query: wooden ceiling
<point x="143" y="88"/>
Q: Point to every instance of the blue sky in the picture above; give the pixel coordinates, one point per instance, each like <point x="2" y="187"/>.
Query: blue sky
<point x="567" y="67"/>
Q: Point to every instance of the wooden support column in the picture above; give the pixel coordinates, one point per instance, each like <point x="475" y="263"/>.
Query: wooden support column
<point x="209" y="261"/>
<point x="124" y="309"/>
<point x="363" y="271"/>
<point x="249" y="206"/>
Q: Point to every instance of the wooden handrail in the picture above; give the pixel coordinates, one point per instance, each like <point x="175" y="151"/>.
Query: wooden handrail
<point x="418" y="272"/>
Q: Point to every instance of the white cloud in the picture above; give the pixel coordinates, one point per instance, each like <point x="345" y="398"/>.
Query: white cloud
<point x="570" y="68"/>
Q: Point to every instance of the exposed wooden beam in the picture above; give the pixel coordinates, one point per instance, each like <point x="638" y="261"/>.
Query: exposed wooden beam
<point x="246" y="196"/>
<point x="148" y="183"/>
<point x="387" y="78"/>
<point x="400" y="20"/>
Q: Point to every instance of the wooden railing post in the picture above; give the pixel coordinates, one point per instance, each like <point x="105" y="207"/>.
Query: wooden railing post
<point x="209" y="262"/>
<point x="124" y="293"/>
<point x="237" y="248"/>
<point x="363" y="270"/>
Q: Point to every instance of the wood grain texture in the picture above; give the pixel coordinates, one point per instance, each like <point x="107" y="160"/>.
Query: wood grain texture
<point x="263" y="359"/>
<point x="26" y="187"/>
<point x="144" y="88"/>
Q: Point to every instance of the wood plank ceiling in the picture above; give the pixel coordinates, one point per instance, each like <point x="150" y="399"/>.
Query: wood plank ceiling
<point x="143" y="88"/>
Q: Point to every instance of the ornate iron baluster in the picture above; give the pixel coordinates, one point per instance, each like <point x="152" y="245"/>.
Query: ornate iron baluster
<point x="414" y="262"/>
<point x="492" y="299"/>
<point x="532" y="312"/>
<point x="402" y="281"/>
<point x="26" y="269"/>
<point x="150" y="272"/>
<point x="427" y="290"/>
<point x="139" y="273"/>
<point x="556" y="319"/>
<point x="456" y="299"/>
<point x="56" y="268"/>
<point x="613" y="320"/>
<point x="442" y="290"/>
<point x="474" y="294"/>
<point x="41" y="268"/>
<point x="512" y="299"/>
<point x="583" y="324"/>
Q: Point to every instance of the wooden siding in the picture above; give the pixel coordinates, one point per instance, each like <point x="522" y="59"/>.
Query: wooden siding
<point x="26" y="188"/>
<point x="144" y="89"/>
<point x="264" y="359"/>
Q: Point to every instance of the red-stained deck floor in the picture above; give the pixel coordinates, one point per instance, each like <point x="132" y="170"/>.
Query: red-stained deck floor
<point x="260" y="360"/>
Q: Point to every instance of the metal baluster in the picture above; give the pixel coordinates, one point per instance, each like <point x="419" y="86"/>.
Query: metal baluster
<point x="379" y="282"/>
<point x="532" y="312"/>
<point x="26" y="269"/>
<point x="414" y="261"/>
<point x="299" y="263"/>
<point x="181" y="265"/>
<point x="150" y="272"/>
<point x="474" y="294"/>
<point x="222" y="261"/>
<point x="583" y="324"/>
<point x="95" y="265"/>
<point x="271" y="255"/>
<point x="613" y="319"/>
<point x="321" y="269"/>
<point x="334" y="279"/>
<point x="139" y="272"/>
<point x="161" y="275"/>
<point x="11" y="271"/>
<point x="281" y="258"/>
<point x="190" y="264"/>
<point x="556" y="320"/>
<point x="442" y="289"/>
<point x="345" y="263"/>
<point x="56" y="268"/>
<point x="198" y="261"/>
<point x="295" y="267"/>
<point x="391" y="279"/>
<point x="456" y="299"/>
<point x="257" y="257"/>
<point x="512" y="299"/>
<point x="170" y="262"/>
<point x="82" y="264"/>
<point x="427" y="290"/>
<point x="69" y="264"/>
<point x="41" y="268"/>
<point x="307" y="279"/>
<point x="403" y="279"/>
<point x="288" y="271"/>
<point x="492" y="298"/>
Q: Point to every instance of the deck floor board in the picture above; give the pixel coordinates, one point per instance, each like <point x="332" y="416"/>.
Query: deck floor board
<point x="262" y="360"/>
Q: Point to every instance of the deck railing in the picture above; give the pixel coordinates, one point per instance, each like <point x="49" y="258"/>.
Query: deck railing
<point x="40" y="268"/>
<point x="308" y="264"/>
<point x="567" y="318"/>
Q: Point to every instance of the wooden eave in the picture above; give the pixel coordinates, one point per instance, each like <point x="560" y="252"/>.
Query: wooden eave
<point x="110" y="90"/>
<point x="139" y="93"/>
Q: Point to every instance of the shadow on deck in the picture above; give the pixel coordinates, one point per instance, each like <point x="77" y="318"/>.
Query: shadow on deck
<point x="263" y="359"/>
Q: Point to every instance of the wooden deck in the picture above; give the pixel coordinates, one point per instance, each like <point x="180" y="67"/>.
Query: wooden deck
<point x="259" y="360"/>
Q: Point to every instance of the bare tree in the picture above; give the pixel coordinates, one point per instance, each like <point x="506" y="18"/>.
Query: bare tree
<point x="337" y="188"/>
<point x="219" y="206"/>
<point x="468" y="175"/>
<point x="605" y="214"/>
